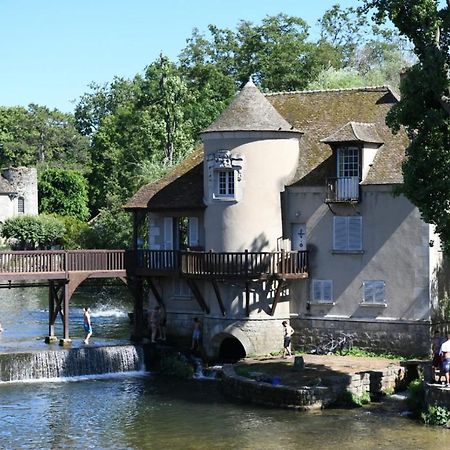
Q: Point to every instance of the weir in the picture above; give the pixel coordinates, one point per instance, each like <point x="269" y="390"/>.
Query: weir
<point x="62" y="363"/>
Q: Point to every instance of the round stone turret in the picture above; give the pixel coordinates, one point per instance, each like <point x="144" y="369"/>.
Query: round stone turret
<point x="251" y="153"/>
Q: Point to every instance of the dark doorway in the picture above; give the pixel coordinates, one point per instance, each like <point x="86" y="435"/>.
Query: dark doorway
<point x="231" y="350"/>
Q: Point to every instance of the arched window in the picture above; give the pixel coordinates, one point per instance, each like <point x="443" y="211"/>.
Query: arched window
<point x="21" y="205"/>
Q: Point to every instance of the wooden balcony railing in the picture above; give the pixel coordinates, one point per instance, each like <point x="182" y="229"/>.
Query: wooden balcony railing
<point x="342" y="189"/>
<point x="250" y="265"/>
<point x="61" y="261"/>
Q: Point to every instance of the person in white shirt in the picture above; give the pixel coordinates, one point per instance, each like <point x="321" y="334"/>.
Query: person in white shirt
<point x="445" y="353"/>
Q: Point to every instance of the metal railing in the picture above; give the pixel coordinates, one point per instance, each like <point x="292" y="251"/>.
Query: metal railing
<point x="342" y="189"/>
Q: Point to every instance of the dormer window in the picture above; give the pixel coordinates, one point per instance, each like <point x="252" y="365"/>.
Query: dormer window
<point x="355" y="145"/>
<point x="348" y="162"/>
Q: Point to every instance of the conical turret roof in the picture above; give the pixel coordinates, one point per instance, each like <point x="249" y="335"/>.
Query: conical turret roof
<point x="250" y="111"/>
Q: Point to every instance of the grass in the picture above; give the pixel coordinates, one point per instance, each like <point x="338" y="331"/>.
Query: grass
<point x="362" y="353"/>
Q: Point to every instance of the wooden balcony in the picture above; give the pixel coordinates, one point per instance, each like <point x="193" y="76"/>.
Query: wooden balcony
<point x="342" y="189"/>
<point x="219" y="265"/>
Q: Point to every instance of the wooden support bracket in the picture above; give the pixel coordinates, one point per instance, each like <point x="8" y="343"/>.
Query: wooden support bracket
<point x="198" y="296"/>
<point x="219" y="297"/>
<point x="280" y="287"/>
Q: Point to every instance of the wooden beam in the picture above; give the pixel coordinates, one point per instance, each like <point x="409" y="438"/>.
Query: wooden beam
<point x="277" y="296"/>
<point x="247" y="298"/>
<point x="219" y="297"/>
<point x="155" y="292"/>
<point x="198" y="296"/>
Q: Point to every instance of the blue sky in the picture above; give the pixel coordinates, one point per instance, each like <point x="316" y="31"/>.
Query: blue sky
<point x="50" y="50"/>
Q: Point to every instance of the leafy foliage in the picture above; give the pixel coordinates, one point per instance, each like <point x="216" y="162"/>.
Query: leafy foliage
<point x="112" y="228"/>
<point x="33" y="232"/>
<point x="63" y="192"/>
<point x="177" y="367"/>
<point x="34" y="135"/>
<point x="416" y="397"/>
<point x="424" y="108"/>
<point x="436" y="415"/>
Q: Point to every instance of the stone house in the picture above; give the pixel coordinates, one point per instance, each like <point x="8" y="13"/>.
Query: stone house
<point x="18" y="192"/>
<point x="288" y="212"/>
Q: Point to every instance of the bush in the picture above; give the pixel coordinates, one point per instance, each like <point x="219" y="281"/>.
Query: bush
<point x="33" y="232"/>
<point x="177" y="367"/>
<point x="76" y="235"/>
<point x="112" y="228"/>
<point x="416" y="397"/>
<point x="436" y="415"/>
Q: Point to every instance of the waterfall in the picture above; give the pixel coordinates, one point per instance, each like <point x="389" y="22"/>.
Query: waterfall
<point x="70" y="362"/>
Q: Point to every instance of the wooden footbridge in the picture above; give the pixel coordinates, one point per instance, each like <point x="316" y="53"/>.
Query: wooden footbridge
<point x="63" y="271"/>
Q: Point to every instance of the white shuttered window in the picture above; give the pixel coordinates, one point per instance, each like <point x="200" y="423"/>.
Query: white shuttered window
<point x="193" y="232"/>
<point x="322" y="291"/>
<point x="347" y="233"/>
<point x="374" y="292"/>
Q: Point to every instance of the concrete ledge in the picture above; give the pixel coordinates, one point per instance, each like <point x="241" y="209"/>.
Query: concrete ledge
<point x="436" y="395"/>
<point x="375" y="383"/>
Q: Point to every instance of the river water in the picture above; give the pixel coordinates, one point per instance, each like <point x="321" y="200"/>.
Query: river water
<point x="144" y="411"/>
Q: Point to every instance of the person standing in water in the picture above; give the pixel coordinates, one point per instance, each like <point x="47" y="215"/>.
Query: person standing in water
<point x="87" y="325"/>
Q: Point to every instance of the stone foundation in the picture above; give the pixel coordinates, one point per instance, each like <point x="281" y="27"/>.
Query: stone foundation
<point x="375" y="383"/>
<point x="403" y="338"/>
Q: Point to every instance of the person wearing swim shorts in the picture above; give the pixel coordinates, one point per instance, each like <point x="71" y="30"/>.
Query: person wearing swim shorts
<point x="288" y="332"/>
<point x="87" y="325"/>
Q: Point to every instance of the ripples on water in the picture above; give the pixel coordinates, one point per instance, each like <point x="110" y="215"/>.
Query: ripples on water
<point x="144" y="412"/>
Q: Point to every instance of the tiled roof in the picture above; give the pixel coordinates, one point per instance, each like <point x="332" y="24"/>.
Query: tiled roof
<point x="355" y="132"/>
<point x="319" y="115"/>
<point x="182" y="188"/>
<point x="5" y="186"/>
<point x="250" y="111"/>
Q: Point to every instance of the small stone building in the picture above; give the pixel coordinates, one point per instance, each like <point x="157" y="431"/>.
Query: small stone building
<point x="288" y="212"/>
<point x="18" y="192"/>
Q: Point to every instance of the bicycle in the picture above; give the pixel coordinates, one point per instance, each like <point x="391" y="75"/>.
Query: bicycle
<point x="341" y="345"/>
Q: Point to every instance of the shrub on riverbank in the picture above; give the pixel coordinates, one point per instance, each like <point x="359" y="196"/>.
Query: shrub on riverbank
<point x="436" y="415"/>
<point x="174" y="366"/>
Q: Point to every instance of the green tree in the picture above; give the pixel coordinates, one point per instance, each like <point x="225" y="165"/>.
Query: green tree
<point x="424" y="106"/>
<point x="32" y="232"/>
<point x="37" y="135"/>
<point x="63" y="192"/>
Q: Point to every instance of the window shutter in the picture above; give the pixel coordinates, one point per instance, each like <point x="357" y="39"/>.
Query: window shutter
<point x="168" y="233"/>
<point x="153" y="232"/>
<point x="317" y="291"/>
<point x="193" y="231"/>
<point x="368" y="292"/>
<point x="340" y="233"/>
<point x="354" y="233"/>
<point x="374" y="291"/>
<point x="327" y="291"/>
<point x="379" y="295"/>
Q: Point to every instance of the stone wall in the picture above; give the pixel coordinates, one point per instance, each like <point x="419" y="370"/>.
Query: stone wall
<point x="436" y="395"/>
<point x="257" y="336"/>
<point x="375" y="383"/>
<point x="404" y="338"/>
